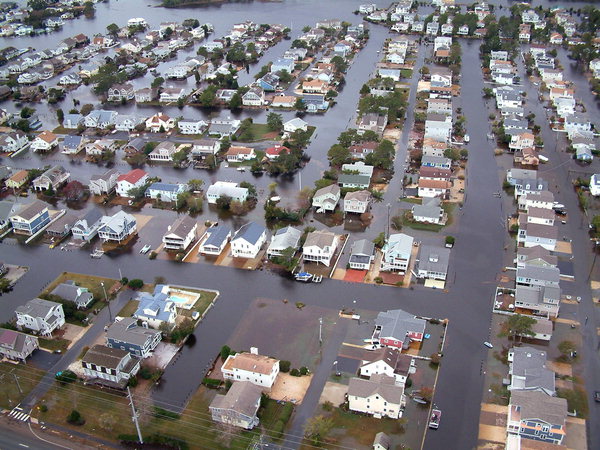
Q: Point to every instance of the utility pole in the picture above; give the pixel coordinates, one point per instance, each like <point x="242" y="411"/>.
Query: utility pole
<point x="17" y="381"/>
<point x="106" y="300"/>
<point x="134" y="416"/>
<point x="387" y="230"/>
<point x="320" y="330"/>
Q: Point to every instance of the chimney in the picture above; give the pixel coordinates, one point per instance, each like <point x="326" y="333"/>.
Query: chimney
<point x="253" y="351"/>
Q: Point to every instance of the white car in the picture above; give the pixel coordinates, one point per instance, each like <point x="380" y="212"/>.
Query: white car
<point x="488" y="344"/>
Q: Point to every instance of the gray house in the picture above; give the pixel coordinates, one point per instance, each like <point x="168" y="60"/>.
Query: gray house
<point x="537" y="416"/>
<point x="87" y="227"/>
<point x="16" y="345"/>
<point x="239" y="406"/>
<point x="350" y="180"/>
<point x="284" y="238"/>
<point x="362" y="254"/>
<point x="128" y="335"/>
<point x="216" y="241"/>
<point x="432" y="262"/>
<point x="71" y="292"/>
<point x="527" y="367"/>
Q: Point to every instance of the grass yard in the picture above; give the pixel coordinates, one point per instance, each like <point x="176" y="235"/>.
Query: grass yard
<point x="10" y="396"/>
<point x="274" y="417"/>
<point x="91" y="282"/>
<point x="130" y="307"/>
<point x="201" y="305"/>
<point x="406" y="73"/>
<point x="258" y="132"/>
<point x="414" y="200"/>
<point x="54" y="344"/>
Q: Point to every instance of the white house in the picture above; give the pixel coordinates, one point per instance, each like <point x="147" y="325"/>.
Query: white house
<point x="287" y="237"/>
<point x="163" y="152"/>
<point x="191" y="126"/>
<point x="118" y="227"/>
<point x="45" y="141"/>
<point x="327" y="198"/>
<point x="357" y="201"/>
<point x="595" y="185"/>
<point x="105" y="183"/>
<point x="254" y="97"/>
<point x="166" y="192"/>
<point x="225" y="188"/>
<point x="135" y="178"/>
<point x="239" y="406"/>
<point x="378" y="396"/>
<point x="216" y="240"/>
<point x="389" y="361"/>
<point x="238" y="153"/>
<point x="320" y="247"/>
<point x="397" y="252"/>
<point x="40" y="316"/>
<point x="156" y="309"/>
<point x="361" y="254"/>
<point x="160" y="122"/>
<point x="295" y="124"/>
<point x="252" y="367"/>
<point x="181" y="234"/>
<point x="109" y="366"/>
<point x="248" y="240"/>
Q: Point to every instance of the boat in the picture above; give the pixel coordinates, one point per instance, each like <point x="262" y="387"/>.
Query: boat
<point x="275" y="199"/>
<point x="303" y="276"/>
<point x="420" y="400"/>
<point x="145" y="249"/>
<point x="434" y="421"/>
<point x="97" y="253"/>
<point x="241" y="169"/>
<point x="317" y="278"/>
<point x="467" y="138"/>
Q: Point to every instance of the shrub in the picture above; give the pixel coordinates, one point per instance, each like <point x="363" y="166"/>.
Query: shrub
<point x="43" y="408"/>
<point x="124" y="281"/>
<point x="303" y="370"/>
<point x="211" y="382"/>
<point x="328" y="406"/>
<point x="408" y="382"/>
<point x="450" y="240"/>
<point x="136" y="283"/>
<point x="435" y="358"/>
<point x="228" y="384"/>
<point x="66" y="376"/>
<point x="145" y="373"/>
<point x="284" y="366"/>
<point x="378" y="280"/>
<point x="133" y="382"/>
<point x="225" y="352"/>
<point x="152" y="255"/>
<point x="295" y="372"/>
<point x="434" y="321"/>
<point x="75" y="418"/>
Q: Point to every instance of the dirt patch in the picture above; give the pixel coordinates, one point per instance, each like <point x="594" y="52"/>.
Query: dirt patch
<point x="289" y="388"/>
<point x="563" y="247"/>
<point x="73" y="333"/>
<point x="142" y="220"/>
<point x="492" y="433"/>
<point x="162" y="355"/>
<point x="334" y="393"/>
<point x="561" y="368"/>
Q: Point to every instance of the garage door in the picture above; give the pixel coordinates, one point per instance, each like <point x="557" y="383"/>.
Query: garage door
<point x="435" y="284"/>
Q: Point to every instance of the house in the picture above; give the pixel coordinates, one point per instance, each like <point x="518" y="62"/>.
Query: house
<point x="397" y="329"/>
<point x="110" y="367"/>
<point x="574" y="123"/>
<point x="378" y="396"/>
<point x="160" y="123"/>
<point x="394" y="58"/>
<point x="228" y="189"/>
<point x="100" y="147"/>
<point x="357" y="201"/>
<point x="436" y="161"/>
<point x="217" y="239"/>
<point x="372" y="122"/>
<point x="30" y="218"/>
<point x="439" y="106"/>
<point x="17" y="180"/>
<point x="134" y="179"/>
<point x="191" y="126"/>
<point x="254" y="97"/>
<point x="145" y="95"/>
<point x="440" y="130"/>
<point x="440" y="77"/>
<point x="535" y="256"/>
<point x="542" y="329"/>
<point x="156" y="309"/>
<point x="269" y="82"/>
<point x="76" y="294"/>
<point x="166" y="192"/>
<point x="45" y="141"/>
<point x="7" y="209"/>
<point x="540" y="216"/>
<point x="17" y="346"/>
<point x="40" y="316"/>
<point x="104" y="184"/>
<point x="295" y="124"/>
<point x="248" y="240"/>
<point x="238" y="407"/>
<point x="100" y="118"/>
<point x="361" y="254"/>
<point x="432" y="262"/>
<point x="287" y="237"/>
<point x="283" y="101"/>
<point x="164" y="151"/>
<point x="525" y="32"/>
<point x="382" y="441"/>
<point x="120" y="93"/>
<point x="13" y="141"/>
<point x="537" y="416"/>
<point x="61" y="227"/>
<point x="222" y="128"/>
<point x="181" y="234"/>
<point x="388" y="361"/>
<point x="53" y="178"/>
<point x="118" y="227"/>
<point x="351" y="180"/>
<point x="127" y="335"/>
<point x="315" y="103"/>
<point x="327" y="198"/>
<point x="72" y="145"/>
<point x="434" y="188"/>
<point x="134" y="146"/>
<point x="171" y="94"/>
<point x="320" y="246"/>
<point x="595" y="184"/>
<point x="273" y="153"/>
<point x="127" y="122"/>
<point x="238" y="153"/>
<point x="362" y="149"/>
<point x="315" y="86"/>
<point x="527" y="157"/>
<point x="532" y="275"/>
<point x="429" y="212"/>
<point x="397" y="252"/>
<point x="532" y="234"/>
<point x="536" y="199"/>
<point x="528" y="371"/>
<point x="204" y="147"/>
<point x="281" y="64"/>
<point x="86" y="228"/>
<point x="251" y="367"/>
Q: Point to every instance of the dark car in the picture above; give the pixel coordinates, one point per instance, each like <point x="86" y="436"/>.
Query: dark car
<point x="560" y="212"/>
<point x="597" y="396"/>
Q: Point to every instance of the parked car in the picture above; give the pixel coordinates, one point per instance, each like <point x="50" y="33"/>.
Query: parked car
<point x="488" y="344"/>
<point x="597" y="396"/>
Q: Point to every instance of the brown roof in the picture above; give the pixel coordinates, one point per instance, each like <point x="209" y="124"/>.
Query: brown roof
<point x="19" y="176"/>
<point x="377" y="384"/>
<point x="251" y="363"/>
<point x="284" y="99"/>
<point x="434" y="184"/>
<point x="434" y="172"/>
<point x="101" y="355"/>
<point x="47" y="136"/>
<point x="237" y="150"/>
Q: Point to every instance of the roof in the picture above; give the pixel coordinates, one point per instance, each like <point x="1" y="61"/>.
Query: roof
<point x="104" y="356"/>
<point x="276" y="150"/>
<point x="239" y="150"/>
<point x="296" y="122"/>
<point x="62" y="224"/>
<point x="320" y="238"/>
<point x="377" y="385"/>
<point x="430" y="208"/>
<point x="250" y="232"/>
<point x="105" y="176"/>
<point x="286" y="237"/>
<point x="397" y="324"/>
<point x="19" y="176"/>
<point x="540" y="196"/>
<point x="250" y="363"/>
<point x="137" y="143"/>
<point x="182" y="226"/>
<point x="133" y="176"/>
<point x="536" y="252"/>
<point x="434" y="172"/>
<point x="72" y="141"/>
<point x="7" y="208"/>
<point x="243" y="397"/>
<point x="47" y="136"/>
<point x="382" y="440"/>
<point x="537" y="405"/>
<point x="542" y="231"/>
<point x="550" y="274"/>
<point x="127" y="330"/>
<point x="362" y="248"/>
<point x="30" y="210"/>
<point x="13" y="340"/>
<point x="37" y="307"/>
<point x="165" y="187"/>
<point x="216" y="235"/>
<point x="361" y="196"/>
<point x="530" y="364"/>
<point x="332" y="189"/>
<point x="433" y="258"/>
<point x="399" y="244"/>
<point x="351" y="178"/>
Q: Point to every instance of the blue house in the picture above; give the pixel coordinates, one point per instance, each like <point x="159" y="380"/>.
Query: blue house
<point x="72" y="144"/>
<point x="269" y="82"/>
<point x="315" y="103"/>
<point x="31" y="218"/>
<point x="129" y="336"/>
<point x="282" y="64"/>
<point x="156" y="309"/>
<point x="166" y="192"/>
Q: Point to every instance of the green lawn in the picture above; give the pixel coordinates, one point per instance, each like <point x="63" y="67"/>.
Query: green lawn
<point x="54" y="344"/>
<point x="91" y="282"/>
<point x="28" y="378"/>
<point x="201" y="305"/>
<point x="406" y="73"/>
<point x="416" y="201"/>
<point x="130" y="307"/>
<point x="260" y="132"/>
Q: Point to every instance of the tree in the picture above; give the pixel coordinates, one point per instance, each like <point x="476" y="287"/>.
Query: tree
<point x="365" y="89"/>
<point x="519" y="325"/>
<point x="275" y="121"/>
<point x="287" y="259"/>
<point x="299" y="104"/>
<point x="567" y="347"/>
<point x="88" y="10"/>
<point x="284" y="366"/>
<point x="452" y="153"/>
<point x="157" y="82"/>
<point x="195" y="184"/>
<point x="135" y="284"/>
<point x="338" y="155"/>
<point x="235" y="102"/>
<point x="285" y="76"/>
<point x="382" y="156"/>
<point x="180" y="157"/>
<point x="379" y="241"/>
<point x="427" y="394"/>
<point x="37" y="5"/>
<point x="73" y="191"/>
<point x="340" y="64"/>
<point x="112" y="29"/>
<point x="226" y="351"/>
<point x="26" y="112"/>
<point x="208" y="96"/>
<point x="317" y="428"/>
<point x="86" y="109"/>
<point x="75" y="418"/>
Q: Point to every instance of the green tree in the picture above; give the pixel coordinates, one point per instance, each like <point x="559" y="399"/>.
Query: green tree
<point x="75" y="418"/>
<point x="208" y="95"/>
<point x="157" y="82"/>
<point x="365" y="89"/>
<point x="195" y="184"/>
<point x="60" y="115"/>
<point x="225" y="352"/>
<point x="275" y="121"/>
<point x="300" y="105"/>
<point x="317" y="428"/>
<point x="519" y="325"/>
<point x="382" y="156"/>
<point x="379" y="241"/>
<point x="567" y="347"/>
<point x="235" y="102"/>
<point x="88" y="10"/>
<point x="112" y="29"/>
<point x="135" y="284"/>
<point x="287" y="259"/>
<point x="37" y="5"/>
<point x="180" y="157"/>
<point x="338" y="155"/>
<point x="340" y="64"/>
<point x="285" y="76"/>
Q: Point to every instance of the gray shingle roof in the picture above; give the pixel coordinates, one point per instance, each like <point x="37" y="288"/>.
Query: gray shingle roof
<point x="381" y="384"/>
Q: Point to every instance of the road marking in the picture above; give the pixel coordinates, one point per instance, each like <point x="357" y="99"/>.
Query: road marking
<point x="23" y="445"/>
<point x="45" y="440"/>
<point x="18" y="414"/>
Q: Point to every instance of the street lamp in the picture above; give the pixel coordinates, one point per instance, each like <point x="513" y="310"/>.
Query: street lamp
<point x="106" y="300"/>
